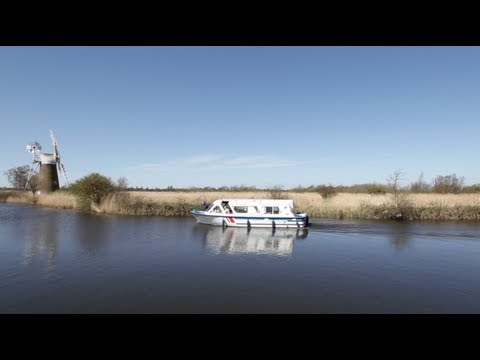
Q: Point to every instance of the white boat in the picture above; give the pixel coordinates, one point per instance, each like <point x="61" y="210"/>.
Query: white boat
<point x="252" y="213"/>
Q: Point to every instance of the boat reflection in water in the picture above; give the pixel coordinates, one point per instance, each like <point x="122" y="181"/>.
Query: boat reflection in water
<point x="258" y="241"/>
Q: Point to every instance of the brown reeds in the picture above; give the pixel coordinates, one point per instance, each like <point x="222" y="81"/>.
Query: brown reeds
<point x="58" y="199"/>
<point x="340" y="206"/>
<point x="16" y="196"/>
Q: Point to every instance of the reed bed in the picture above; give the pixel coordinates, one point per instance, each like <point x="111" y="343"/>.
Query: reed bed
<point x="16" y="196"/>
<point x="58" y="199"/>
<point x="340" y="206"/>
<point x="410" y="206"/>
<point x="166" y="203"/>
<point x="4" y="195"/>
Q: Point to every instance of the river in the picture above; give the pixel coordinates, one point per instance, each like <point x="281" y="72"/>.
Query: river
<point x="62" y="261"/>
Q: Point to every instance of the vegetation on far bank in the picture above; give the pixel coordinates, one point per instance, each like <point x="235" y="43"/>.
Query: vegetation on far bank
<point x="445" y="198"/>
<point x="341" y="206"/>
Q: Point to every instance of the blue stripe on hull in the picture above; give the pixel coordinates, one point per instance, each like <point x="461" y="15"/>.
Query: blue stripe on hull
<point x="244" y="221"/>
<point x="194" y="212"/>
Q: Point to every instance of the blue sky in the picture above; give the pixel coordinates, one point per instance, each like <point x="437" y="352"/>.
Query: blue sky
<point x="261" y="116"/>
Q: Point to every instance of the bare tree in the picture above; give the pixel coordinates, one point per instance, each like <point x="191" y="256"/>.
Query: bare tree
<point x="122" y="183"/>
<point x="420" y="186"/>
<point x="394" y="181"/>
<point x="18" y="176"/>
<point x="402" y="207"/>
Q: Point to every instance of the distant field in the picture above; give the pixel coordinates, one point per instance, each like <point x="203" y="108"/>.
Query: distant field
<point x="340" y="206"/>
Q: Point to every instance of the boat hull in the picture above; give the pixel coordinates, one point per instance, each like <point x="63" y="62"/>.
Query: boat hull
<point x="299" y="221"/>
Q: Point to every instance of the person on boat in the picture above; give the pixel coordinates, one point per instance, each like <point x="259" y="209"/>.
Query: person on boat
<point x="205" y="205"/>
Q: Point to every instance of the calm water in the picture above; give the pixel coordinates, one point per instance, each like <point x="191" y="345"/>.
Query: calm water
<point x="60" y="261"/>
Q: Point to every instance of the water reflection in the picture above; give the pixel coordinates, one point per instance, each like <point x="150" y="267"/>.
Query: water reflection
<point x="43" y="242"/>
<point x="93" y="232"/>
<point x="107" y="264"/>
<point x="235" y="241"/>
<point x="400" y="236"/>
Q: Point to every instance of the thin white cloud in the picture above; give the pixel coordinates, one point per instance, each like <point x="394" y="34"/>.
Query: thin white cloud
<point x="150" y="167"/>
<point x="202" y="159"/>
<point x="207" y="162"/>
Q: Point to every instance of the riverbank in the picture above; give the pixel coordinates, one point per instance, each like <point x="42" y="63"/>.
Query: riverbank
<point x="340" y="206"/>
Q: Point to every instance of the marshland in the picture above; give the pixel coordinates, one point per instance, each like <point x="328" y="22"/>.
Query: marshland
<point x="323" y="202"/>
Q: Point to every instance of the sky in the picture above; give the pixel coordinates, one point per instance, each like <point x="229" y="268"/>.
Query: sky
<point x="254" y="116"/>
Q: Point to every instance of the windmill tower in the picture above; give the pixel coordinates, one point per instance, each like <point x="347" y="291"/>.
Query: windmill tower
<point x="50" y="165"/>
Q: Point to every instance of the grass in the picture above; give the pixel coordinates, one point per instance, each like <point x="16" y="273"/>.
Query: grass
<point x="340" y="206"/>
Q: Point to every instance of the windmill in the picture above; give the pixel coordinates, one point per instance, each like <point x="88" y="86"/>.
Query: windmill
<point x="50" y="166"/>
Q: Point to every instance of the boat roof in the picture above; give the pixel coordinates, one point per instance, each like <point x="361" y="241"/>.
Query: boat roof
<point x="264" y="202"/>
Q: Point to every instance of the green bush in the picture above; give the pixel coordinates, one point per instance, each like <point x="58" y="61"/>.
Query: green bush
<point x="92" y="188"/>
<point x="326" y="191"/>
<point x="376" y="189"/>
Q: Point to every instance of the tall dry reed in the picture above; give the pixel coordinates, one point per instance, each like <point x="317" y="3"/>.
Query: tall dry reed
<point x="340" y="206"/>
<point x="58" y="199"/>
<point x="17" y="196"/>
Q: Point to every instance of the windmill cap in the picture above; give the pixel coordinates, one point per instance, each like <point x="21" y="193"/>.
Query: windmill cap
<point x="47" y="158"/>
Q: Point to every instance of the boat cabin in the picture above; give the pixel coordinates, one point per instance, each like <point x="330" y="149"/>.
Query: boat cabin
<point x="252" y="207"/>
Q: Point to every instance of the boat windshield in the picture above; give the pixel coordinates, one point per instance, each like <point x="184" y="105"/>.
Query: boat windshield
<point x="210" y="207"/>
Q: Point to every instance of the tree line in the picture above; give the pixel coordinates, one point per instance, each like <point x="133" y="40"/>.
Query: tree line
<point x="443" y="184"/>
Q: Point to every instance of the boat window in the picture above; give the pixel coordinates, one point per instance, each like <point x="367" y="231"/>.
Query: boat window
<point x="240" y="209"/>
<point x="272" y="210"/>
<point x="254" y="209"/>
<point x="217" y="209"/>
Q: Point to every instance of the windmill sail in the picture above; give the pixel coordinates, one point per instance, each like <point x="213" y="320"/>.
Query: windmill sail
<point x="56" y="154"/>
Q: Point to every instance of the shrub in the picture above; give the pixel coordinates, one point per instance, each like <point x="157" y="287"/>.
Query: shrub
<point x="92" y="188"/>
<point x="475" y="188"/>
<point x="277" y="192"/>
<point x="448" y="184"/>
<point x="326" y="191"/>
<point x="403" y="209"/>
<point x="420" y="186"/>
<point x="376" y="189"/>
